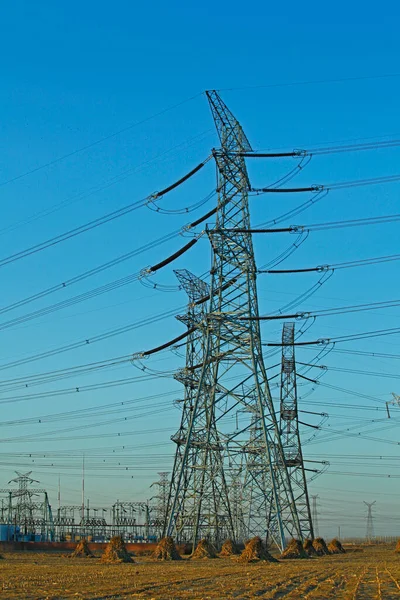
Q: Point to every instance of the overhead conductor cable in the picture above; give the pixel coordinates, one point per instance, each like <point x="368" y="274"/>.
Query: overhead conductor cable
<point x="99" y="221"/>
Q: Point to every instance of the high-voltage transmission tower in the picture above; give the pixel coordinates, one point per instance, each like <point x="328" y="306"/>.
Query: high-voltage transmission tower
<point x="315" y="515"/>
<point x="158" y="521"/>
<point x="370" y="522"/>
<point x="229" y="377"/>
<point x="183" y="490"/>
<point x="290" y="434"/>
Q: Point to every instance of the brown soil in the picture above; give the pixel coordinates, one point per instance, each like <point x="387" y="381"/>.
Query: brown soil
<point x="166" y="550"/>
<point x="204" y="550"/>
<point x="320" y="546"/>
<point x="254" y="551"/>
<point x="116" y="552"/>
<point x="335" y="547"/>
<point x="294" y="550"/>
<point x="374" y="573"/>
<point x="229" y="548"/>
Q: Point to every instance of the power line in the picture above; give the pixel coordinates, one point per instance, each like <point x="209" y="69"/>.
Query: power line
<point x="80" y="389"/>
<point x="327" y="312"/>
<point x="88" y="341"/>
<point x="107" y="218"/>
<point x="393" y="143"/>
<point x="311" y="82"/>
<point x="343" y="338"/>
<point x="98" y="141"/>
<point x="335" y="266"/>
<point x="338" y="185"/>
<point x="91" y="411"/>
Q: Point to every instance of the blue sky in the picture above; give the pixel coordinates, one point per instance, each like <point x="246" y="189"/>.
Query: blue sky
<point x="74" y="73"/>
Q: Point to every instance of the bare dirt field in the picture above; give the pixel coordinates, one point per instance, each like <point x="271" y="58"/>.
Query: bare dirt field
<point x="371" y="573"/>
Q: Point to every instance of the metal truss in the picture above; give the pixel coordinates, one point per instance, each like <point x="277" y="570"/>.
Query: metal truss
<point x="195" y="435"/>
<point x="290" y="436"/>
<point x="32" y="517"/>
<point x="158" y="521"/>
<point x="228" y="376"/>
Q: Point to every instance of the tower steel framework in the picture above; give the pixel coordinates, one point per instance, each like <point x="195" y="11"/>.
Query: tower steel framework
<point x="370" y="521"/>
<point x="160" y="508"/>
<point x="290" y="434"/>
<point x="31" y="516"/>
<point x="230" y="377"/>
<point x="315" y="515"/>
<point x="189" y="459"/>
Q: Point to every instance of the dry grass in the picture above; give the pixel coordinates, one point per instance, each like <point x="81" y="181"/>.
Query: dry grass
<point x="204" y="550"/>
<point x="166" y="550"/>
<point x="309" y="548"/>
<point x="116" y="552"/>
<point x="335" y="547"/>
<point x="320" y="546"/>
<point x="374" y="573"/>
<point x="82" y="550"/>
<point x="229" y="548"/>
<point x="294" y="550"/>
<point x="254" y="551"/>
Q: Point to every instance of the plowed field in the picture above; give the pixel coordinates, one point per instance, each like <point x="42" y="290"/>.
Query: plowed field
<point x="373" y="572"/>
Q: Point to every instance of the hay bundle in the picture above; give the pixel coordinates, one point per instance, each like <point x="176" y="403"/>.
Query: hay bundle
<point x="229" y="548"/>
<point x="309" y="548"/>
<point x="82" y="550"/>
<point x="116" y="551"/>
<point x="335" y="547"/>
<point x="320" y="547"/>
<point x="398" y="546"/>
<point x="255" y="551"/>
<point x="294" y="550"/>
<point x="204" y="550"/>
<point x="166" y="550"/>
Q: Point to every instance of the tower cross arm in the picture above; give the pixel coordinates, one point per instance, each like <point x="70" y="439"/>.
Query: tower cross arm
<point x="226" y="122"/>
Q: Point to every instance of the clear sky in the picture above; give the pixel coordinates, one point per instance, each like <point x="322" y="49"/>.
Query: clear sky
<point x="73" y="73"/>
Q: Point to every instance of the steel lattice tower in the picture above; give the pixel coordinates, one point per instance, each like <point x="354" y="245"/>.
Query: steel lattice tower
<point x="290" y="435"/>
<point x="257" y="502"/>
<point x="231" y="375"/>
<point x="190" y="459"/>
<point x="158" y="522"/>
<point x="29" y="515"/>
<point x="370" y="522"/>
<point x="315" y="515"/>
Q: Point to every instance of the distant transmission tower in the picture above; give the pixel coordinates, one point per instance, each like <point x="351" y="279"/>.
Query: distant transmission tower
<point x="290" y="435"/>
<point x="370" y="534"/>
<point x="231" y="375"/>
<point x="315" y="515"/>
<point x="162" y="498"/>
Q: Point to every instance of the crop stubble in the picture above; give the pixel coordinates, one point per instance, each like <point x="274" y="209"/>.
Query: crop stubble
<point x="373" y="573"/>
